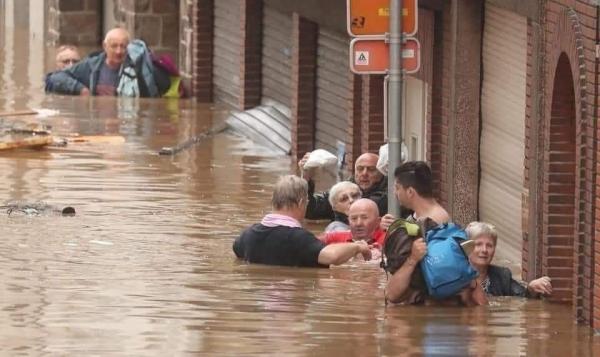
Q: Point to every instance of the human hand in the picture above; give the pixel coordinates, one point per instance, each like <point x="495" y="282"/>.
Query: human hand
<point x="364" y="249"/>
<point x="542" y="285"/>
<point x="84" y="92"/>
<point x="301" y="163"/>
<point x="386" y="221"/>
<point x="418" y="250"/>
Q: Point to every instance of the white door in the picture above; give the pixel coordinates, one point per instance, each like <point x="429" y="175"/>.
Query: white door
<point x="414" y="117"/>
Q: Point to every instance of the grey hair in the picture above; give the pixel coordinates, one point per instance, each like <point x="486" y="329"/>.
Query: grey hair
<point x="66" y="47"/>
<point x="335" y="190"/>
<point x="477" y="229"/>
<point x="113" y="31"/>
<point x="289" y="191"/>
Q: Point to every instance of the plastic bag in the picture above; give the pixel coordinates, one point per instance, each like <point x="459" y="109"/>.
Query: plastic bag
<point x="382" y="163"/>
<point x="320" y="158"/>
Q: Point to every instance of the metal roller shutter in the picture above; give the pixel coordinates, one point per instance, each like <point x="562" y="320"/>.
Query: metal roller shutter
<point x="276" y="57"/>
<point x="226" y="57"/>
<point x="333" y="89"/>
<point x="503" y="128"/>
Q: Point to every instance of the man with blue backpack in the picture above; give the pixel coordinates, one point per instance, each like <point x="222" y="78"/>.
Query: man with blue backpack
<point x="424" y="253"/>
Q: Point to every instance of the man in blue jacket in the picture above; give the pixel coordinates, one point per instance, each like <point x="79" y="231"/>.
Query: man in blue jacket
<point x="107" y="73"/>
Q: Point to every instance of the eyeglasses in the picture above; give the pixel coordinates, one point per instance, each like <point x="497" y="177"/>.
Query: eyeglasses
<point x="69" y="61"/>
<point x="346" y="197"/>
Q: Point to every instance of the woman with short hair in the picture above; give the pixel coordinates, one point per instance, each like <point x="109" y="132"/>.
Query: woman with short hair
<point x="341" y="196"/>
<point x="496" y="280"/>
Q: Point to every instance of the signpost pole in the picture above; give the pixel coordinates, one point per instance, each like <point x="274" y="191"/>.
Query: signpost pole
<point x="394" y="102"/>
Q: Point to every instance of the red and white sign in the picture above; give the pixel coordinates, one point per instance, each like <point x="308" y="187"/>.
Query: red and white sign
<point x="372" y="55"/>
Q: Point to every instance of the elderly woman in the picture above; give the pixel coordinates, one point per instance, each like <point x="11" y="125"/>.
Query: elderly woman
<point x="279" y="238"/>
<point x="341" y="196"/>
<point x="496" y="280"/>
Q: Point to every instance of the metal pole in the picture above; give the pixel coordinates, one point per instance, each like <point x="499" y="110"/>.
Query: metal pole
<point x="394" y="102"/>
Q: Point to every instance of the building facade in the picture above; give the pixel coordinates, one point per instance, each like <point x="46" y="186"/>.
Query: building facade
<point x="504" y="107"/>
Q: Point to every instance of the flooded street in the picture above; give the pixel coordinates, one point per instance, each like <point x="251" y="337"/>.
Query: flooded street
<point x="145" y="267"/>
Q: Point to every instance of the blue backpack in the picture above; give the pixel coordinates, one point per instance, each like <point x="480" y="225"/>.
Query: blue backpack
<point x="446" y="268"/>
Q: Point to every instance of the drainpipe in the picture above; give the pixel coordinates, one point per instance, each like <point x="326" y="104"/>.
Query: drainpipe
<point x="394" y="102"/>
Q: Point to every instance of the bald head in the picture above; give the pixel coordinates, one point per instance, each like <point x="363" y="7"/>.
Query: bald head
<point x="366" y="174"/>
<point x="116" y="34"/>
<point x="363" y="217"/>
<point x="115" y="46"/>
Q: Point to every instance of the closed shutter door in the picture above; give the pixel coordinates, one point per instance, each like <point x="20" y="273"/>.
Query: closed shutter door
<point x="276" y="57"/>
<point x="503" y="128"/>
<point x="226" y="57"/>
<point x="333" y="90"/>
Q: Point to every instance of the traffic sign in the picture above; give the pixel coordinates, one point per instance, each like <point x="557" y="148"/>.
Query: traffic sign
<point x="372" y="55"/>
<point x="372" y="17"/>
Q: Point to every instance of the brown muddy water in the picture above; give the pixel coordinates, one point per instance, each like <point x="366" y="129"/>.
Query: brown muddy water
<point x="146" y="267"/>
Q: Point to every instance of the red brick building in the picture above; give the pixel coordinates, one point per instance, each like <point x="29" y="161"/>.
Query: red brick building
<point x="504" y="107"/>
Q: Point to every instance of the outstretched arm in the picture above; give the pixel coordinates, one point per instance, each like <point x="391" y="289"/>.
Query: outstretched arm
<point x="73" y="80"/>
<point x="399" y="283"/>
<point x="318" y="204"/>
<point x="542" y="285"/>
<point x="340" y="253"/>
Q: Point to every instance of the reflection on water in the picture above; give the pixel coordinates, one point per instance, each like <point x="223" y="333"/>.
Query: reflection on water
<point x="145" y="267"/>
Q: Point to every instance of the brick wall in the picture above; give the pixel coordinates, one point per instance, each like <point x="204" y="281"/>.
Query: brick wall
<point x="372" y="113"/>
<point x="251" y="51"/>
<point x="202" y="53"/>
<point x="440" y="106"/>
<point x="304" y="67"/>
<point x="559" y="220"/>
<point x="74" y="22"/>
<point x="187" y="16"/>
<point x="154" y="21"/>
<point x="569" y="237"/>
<point x="354" y="122"/>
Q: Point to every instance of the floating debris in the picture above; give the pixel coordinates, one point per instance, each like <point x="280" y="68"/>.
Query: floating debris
<point x="37" y="209"/>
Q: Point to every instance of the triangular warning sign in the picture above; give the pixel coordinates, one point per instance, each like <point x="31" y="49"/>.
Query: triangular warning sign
<point x="361" y="58"/>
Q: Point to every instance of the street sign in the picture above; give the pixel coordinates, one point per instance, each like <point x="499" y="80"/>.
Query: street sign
<point x="372" y="17"/>
<point x="372" y="55"/>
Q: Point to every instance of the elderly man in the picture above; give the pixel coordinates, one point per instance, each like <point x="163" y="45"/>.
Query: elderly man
<point x="66" y="56"/>
<point x="279" y="238"/>
<point x="363" y="216"/>
<point x="103" y="74"/>
<point x="371" y="182"/>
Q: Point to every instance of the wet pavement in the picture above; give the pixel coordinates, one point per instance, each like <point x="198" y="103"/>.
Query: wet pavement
<point x="146" y="267"/>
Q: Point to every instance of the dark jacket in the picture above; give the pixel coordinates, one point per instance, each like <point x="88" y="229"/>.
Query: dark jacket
<point x="502" y="283"/>
<point x="320" y="208"/>
<point x="86" y="73"/>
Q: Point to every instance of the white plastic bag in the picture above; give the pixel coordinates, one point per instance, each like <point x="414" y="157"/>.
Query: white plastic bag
<point x="382" y="163"/>
<point x="320" y="158"/>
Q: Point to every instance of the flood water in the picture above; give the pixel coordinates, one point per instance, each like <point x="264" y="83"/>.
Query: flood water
<point x="146" y="266"/>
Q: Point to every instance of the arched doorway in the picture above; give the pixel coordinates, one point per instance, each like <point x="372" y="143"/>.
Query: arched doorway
<point x="560" y="184"/>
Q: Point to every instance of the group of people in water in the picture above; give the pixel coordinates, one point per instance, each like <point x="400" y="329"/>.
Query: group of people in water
<point x="357" y="209"/>
<point x="124" y="67"/>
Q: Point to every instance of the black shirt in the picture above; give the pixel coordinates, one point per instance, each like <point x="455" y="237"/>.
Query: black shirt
<point x="278" y="245"/>
<point x="320" y="208"/>
<point x="503" y="284"/>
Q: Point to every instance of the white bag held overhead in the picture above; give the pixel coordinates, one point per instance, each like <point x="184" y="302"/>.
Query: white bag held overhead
<point x="382" y="163"/>
<point x="320" y="158"/>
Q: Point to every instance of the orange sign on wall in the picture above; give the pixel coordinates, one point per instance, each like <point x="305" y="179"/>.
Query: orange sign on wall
<point x="372" y="55"/>
<point x="372" y="17"/>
